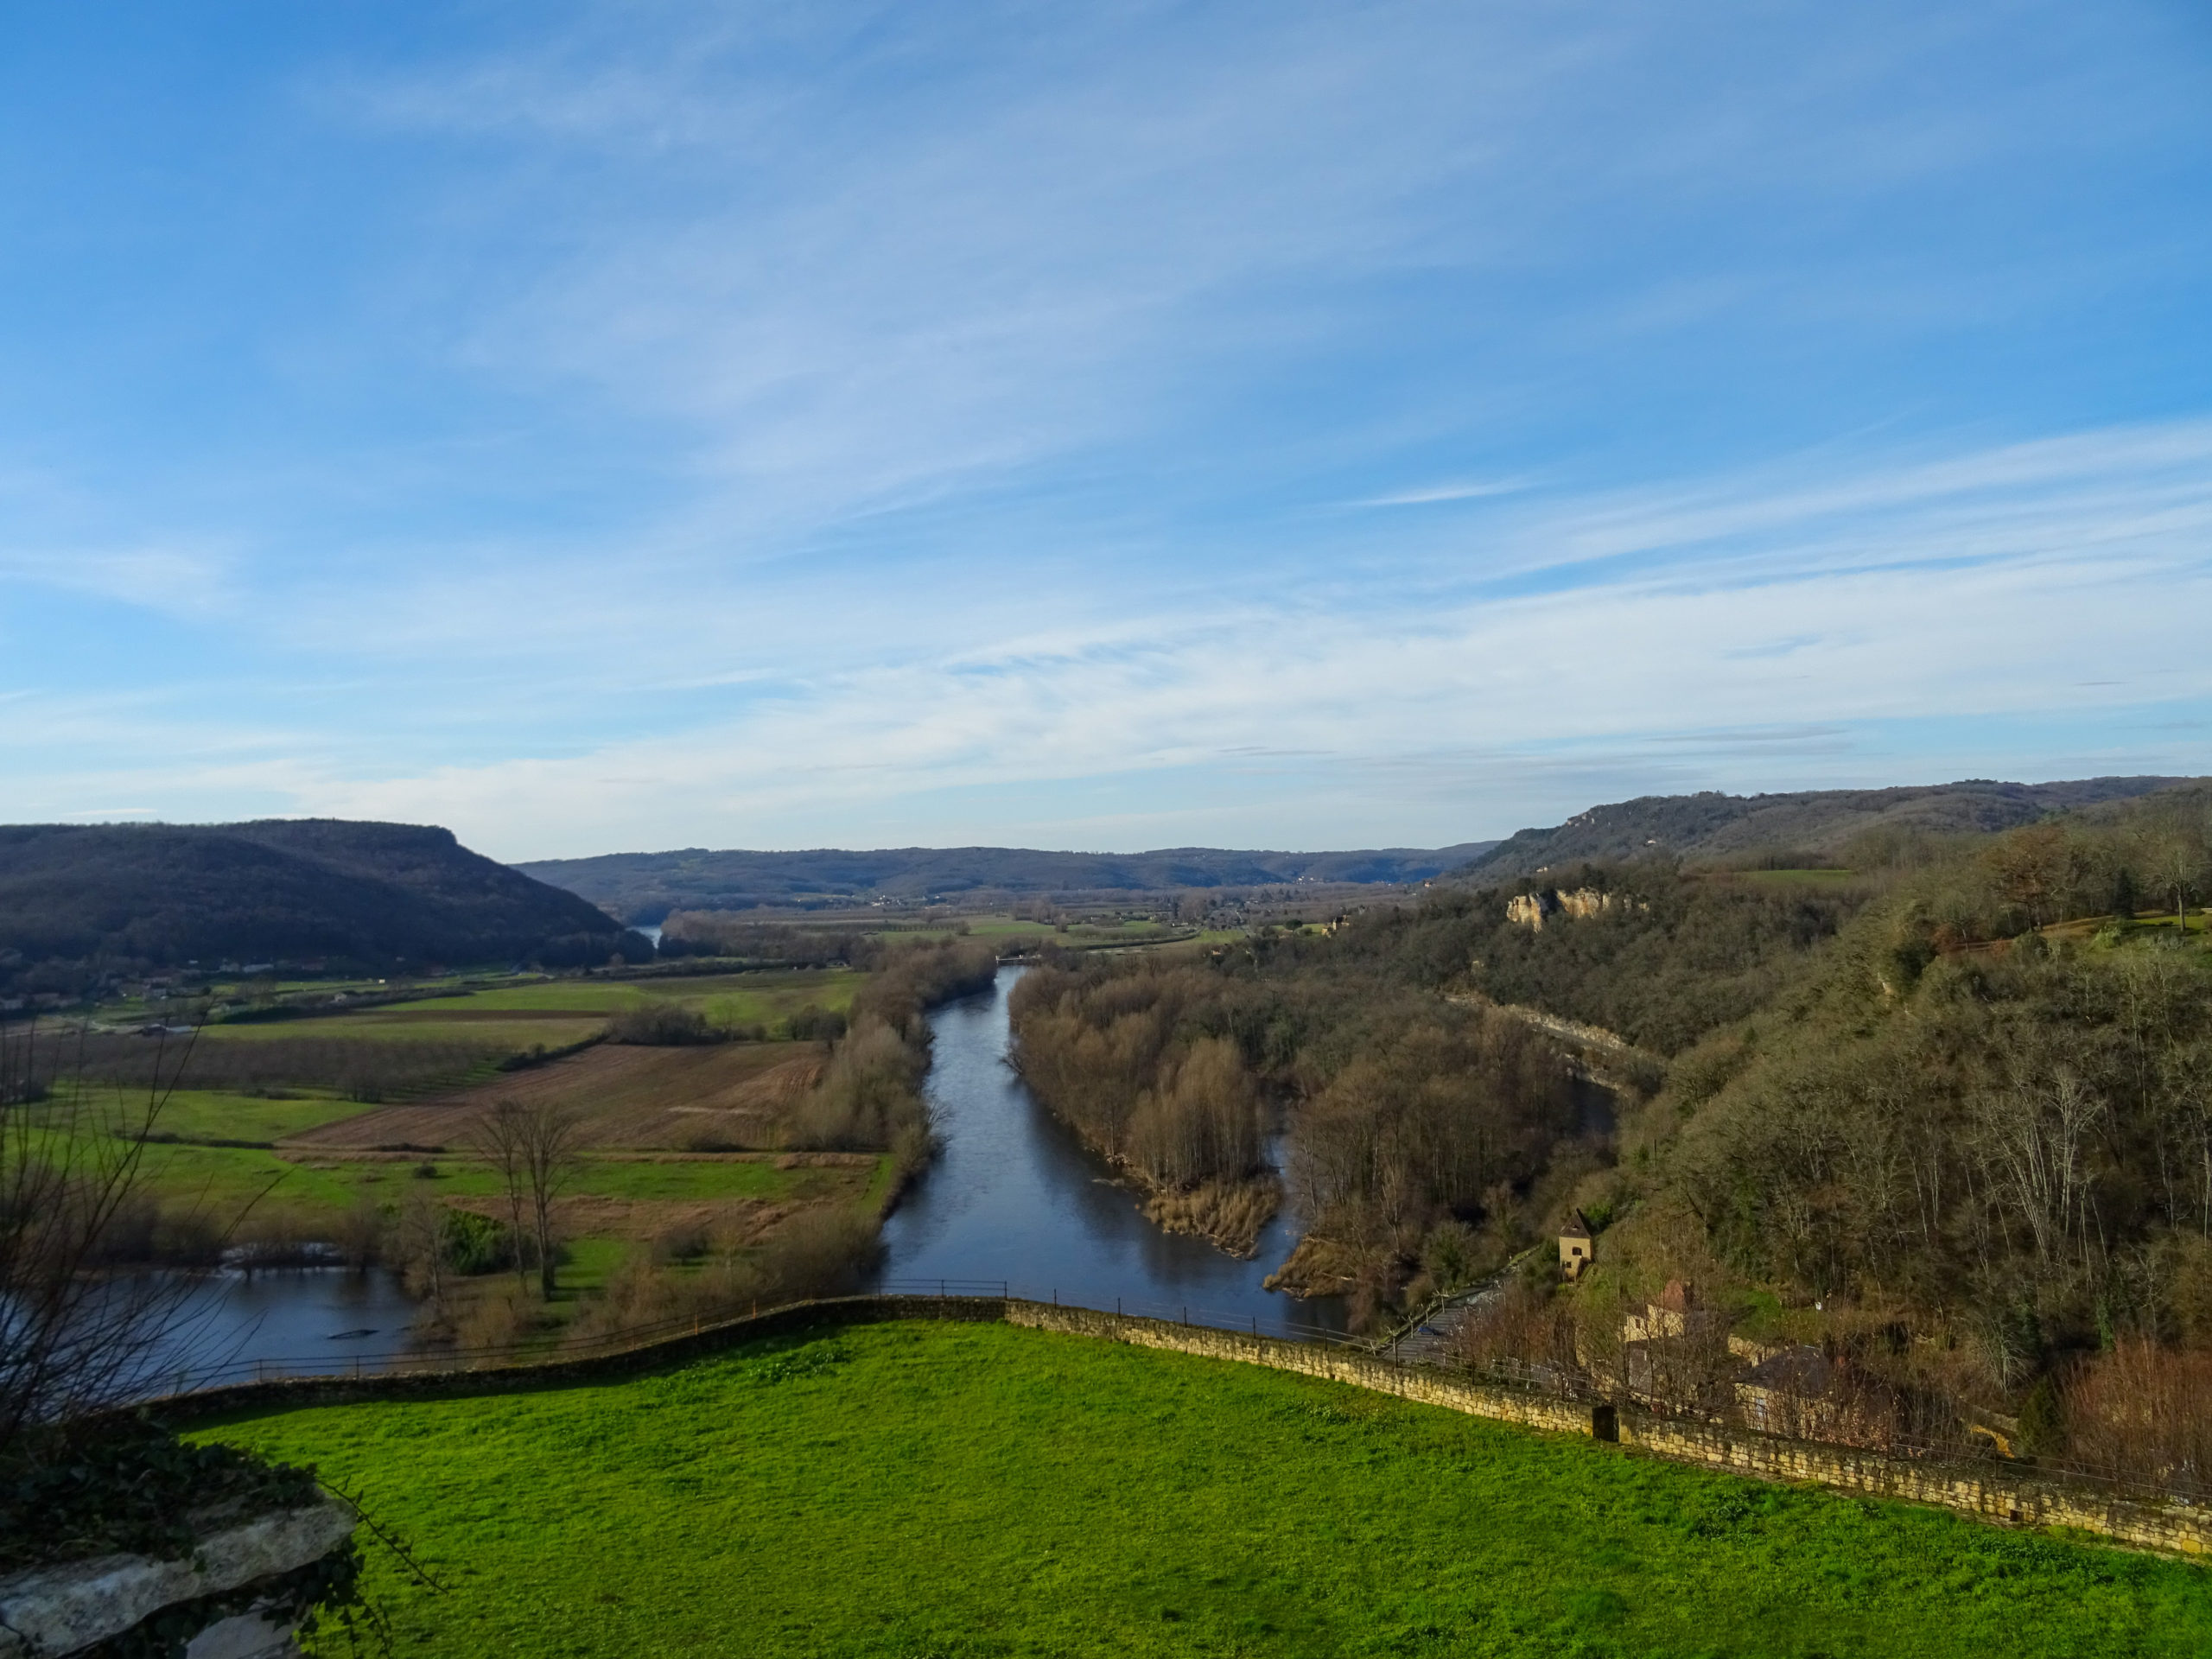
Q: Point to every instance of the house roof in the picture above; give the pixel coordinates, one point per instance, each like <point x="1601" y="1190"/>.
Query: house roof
<point x="1801" y="1369"/>
<point x="1576" y="1227"/>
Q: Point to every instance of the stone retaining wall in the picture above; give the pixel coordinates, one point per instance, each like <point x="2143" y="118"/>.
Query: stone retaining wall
<point x="1314" y="1359"/>
<point x="1990" y="1493"/>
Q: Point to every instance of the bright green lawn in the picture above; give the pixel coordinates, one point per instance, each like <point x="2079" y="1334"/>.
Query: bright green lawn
<point x="224" y="1181"/>
<point x="449" y="1023"/>
<point x="744" y="997"/>
<point x="972" y="1489"/>
<point x="210" y="1114"/>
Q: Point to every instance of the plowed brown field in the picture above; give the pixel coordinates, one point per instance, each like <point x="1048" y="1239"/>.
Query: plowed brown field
<point x="718" y="1097"/>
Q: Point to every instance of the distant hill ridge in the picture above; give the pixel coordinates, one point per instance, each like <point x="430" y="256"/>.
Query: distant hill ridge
<point x="1817" y="823"/>
<point x="373" y="895"/>
<point x="645" y="886"/>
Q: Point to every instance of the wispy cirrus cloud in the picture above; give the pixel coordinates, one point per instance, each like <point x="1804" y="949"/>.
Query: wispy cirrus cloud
<point x="1432" y="495"/>
<point x="1811" y="650"/>
<point x="619" y="425"/>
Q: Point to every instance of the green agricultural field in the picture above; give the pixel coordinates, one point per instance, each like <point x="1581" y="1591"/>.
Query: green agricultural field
<point x="225" y="1171"/>
<point x="759" y="997"/>
<point x="911" y="1489"/>
<point x="216" y="1115"/>
<point x="414" y="1024"/>
<point x="226" y="1183"/>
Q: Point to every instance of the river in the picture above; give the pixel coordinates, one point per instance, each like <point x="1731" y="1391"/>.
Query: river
<point x="230" y="1326"/>
<point x="1016" y="1198"/>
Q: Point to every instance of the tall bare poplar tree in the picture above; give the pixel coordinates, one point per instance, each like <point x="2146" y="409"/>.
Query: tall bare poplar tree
<point x="534" y="1149"/>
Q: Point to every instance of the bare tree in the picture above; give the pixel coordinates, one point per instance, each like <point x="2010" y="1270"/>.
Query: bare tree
<point x="500" y="1136"/>
<point x="72" y="1160"/>
<point x="550" y="1140"/>
<point x="424" y="1246"/>
<point x="2033" y="1145"/>
<point x="534" y="1149"/>
<point x="2177" y="865"/>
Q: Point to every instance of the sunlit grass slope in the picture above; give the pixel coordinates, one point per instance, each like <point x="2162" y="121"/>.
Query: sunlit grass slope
<point x="916" y="1489"/>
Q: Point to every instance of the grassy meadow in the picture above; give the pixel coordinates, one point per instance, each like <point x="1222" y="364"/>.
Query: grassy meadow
<point x="287" y="1128"/>
<point x="914" y="1489"/>
<point x="725" y="998"/>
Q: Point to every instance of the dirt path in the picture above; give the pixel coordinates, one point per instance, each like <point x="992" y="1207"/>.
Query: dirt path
<point x="1428" y="1339"/>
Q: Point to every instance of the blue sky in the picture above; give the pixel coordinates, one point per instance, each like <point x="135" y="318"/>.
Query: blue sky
<point x="625" y="427"/>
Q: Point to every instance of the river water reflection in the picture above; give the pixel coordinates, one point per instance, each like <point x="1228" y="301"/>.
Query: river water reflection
<point x="233" y="1326"/>
<point x="1016" y="1198"/>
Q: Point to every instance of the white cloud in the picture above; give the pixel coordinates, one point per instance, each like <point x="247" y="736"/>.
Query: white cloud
<point x="838" y="423"/>
<point x="1439" y="492"/>
<point x="1772" y="646"/>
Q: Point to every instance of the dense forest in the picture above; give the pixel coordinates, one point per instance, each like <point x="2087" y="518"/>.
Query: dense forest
<point x="1807" y="826"/>
<point x="1417" y="1124"/>
<point x="1410" y="1119"/>
<point x="1982" y="1128"/>
<point x="79" y="900"/>
<point x="1941" y="1128"/>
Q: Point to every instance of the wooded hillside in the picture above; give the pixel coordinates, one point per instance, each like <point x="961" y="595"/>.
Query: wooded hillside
<point x="1811" y="826"/>
<point x="643" y="887"/>
<point x="1940" y="1128"/>
<point x="360" y="895"/>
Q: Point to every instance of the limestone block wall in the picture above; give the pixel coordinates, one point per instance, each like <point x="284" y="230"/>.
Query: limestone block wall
<point x="1992" y="1493"/>
<point x="1312" y="1359"/>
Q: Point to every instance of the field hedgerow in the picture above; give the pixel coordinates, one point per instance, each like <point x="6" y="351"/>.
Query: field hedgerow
<point x="920" y="1488"/>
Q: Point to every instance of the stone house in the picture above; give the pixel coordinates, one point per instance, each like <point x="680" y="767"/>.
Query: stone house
<point x="1576" y="1248"/>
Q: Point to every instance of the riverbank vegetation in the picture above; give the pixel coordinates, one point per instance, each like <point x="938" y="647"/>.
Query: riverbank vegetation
<point x="710" y="1138"/>
<point x="1407" y="1115"/>
<point x="912" y="1488"/>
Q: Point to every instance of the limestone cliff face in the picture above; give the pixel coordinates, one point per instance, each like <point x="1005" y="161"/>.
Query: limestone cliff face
<point x="1529" y="909"/>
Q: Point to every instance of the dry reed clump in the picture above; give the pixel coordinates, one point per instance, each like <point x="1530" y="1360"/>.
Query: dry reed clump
<point x="1316" y="1266"/>
<point x="687" y="1240"/>
<point x="1230" y="1213"/>
<point x="814" y="1252"/>
<point x="488" y="1326"/>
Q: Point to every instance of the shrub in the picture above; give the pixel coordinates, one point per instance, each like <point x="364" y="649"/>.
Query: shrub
<point x="661" y="1025"/>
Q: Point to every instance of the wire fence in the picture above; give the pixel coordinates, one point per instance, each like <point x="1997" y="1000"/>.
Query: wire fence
<point x="193" y="1377"/>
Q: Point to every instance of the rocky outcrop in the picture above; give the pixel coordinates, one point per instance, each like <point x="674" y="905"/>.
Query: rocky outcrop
<point x="52" y="1611"/>
<point x="1529" y="909"/>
